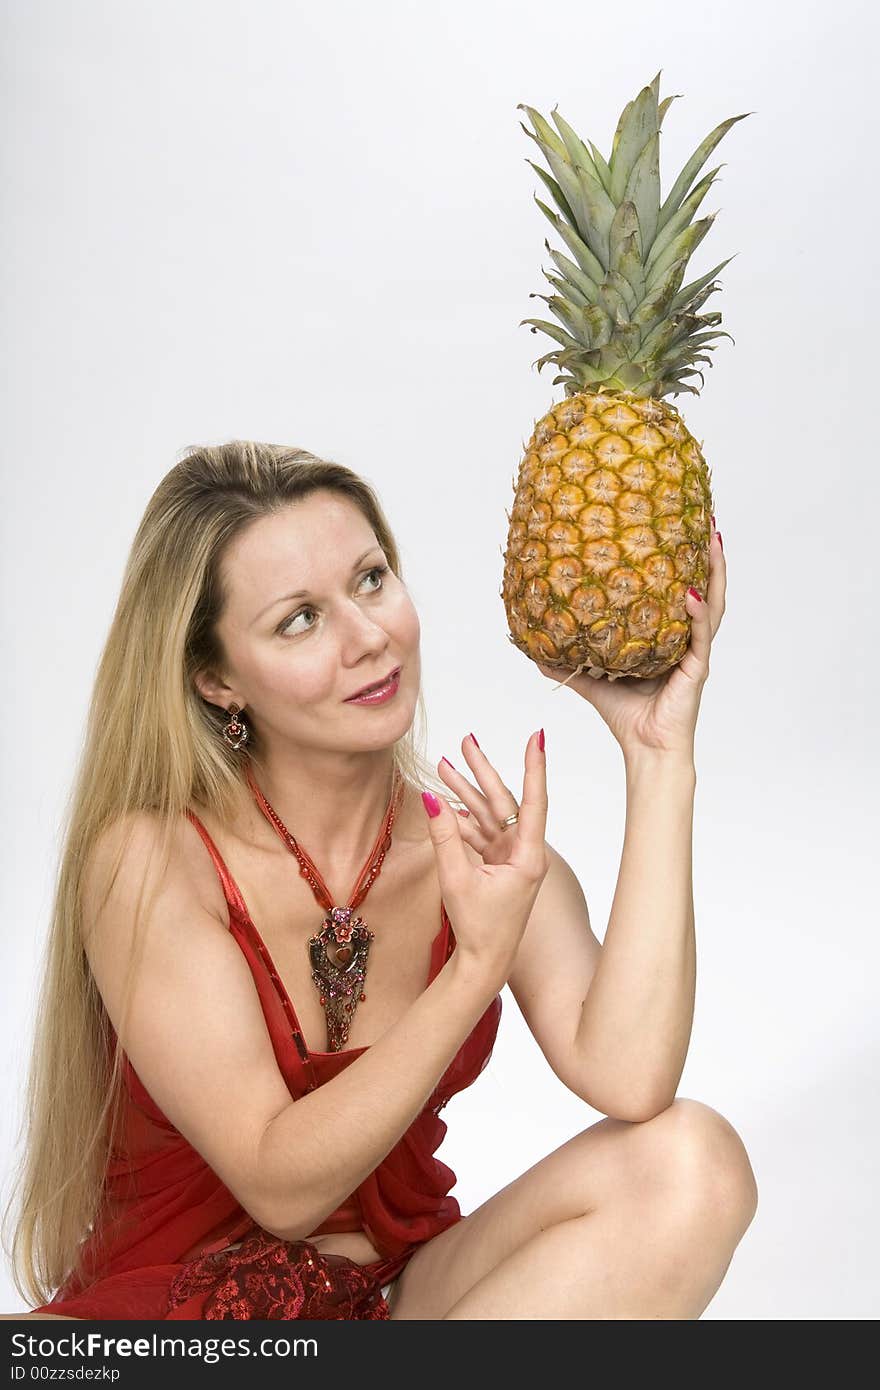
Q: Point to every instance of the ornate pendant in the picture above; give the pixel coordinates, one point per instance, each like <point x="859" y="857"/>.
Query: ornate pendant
<point x="339" y="956"/>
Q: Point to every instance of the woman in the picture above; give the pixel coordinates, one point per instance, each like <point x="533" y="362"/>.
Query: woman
<point x="273" y="960"/>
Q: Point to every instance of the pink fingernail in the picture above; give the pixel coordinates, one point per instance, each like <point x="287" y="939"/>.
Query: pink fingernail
<point x="432" y="805"/>
<point x="474" y="737"/>
<point x="693" y="591"/>
<point x="541" y="739"/>
<point x="720" y="541"/>
<point x="445" y="760"/>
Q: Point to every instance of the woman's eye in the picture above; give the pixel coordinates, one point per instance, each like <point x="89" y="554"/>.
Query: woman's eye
<point x="287" y="625"/>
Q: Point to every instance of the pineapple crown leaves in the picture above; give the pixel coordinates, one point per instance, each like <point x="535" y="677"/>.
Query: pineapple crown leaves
<point x="620" y="300"/>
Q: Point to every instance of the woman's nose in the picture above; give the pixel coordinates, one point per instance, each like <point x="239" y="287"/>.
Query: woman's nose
<point x="365" y="630"/>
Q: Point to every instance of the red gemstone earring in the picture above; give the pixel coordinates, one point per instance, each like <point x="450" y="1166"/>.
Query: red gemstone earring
<point x="235" y="731"/>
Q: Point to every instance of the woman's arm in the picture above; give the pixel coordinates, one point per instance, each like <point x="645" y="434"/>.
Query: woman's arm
<point x="636" y="1020"/>
<point x="196" y="1036"/>
<point x="321" y="1147"/>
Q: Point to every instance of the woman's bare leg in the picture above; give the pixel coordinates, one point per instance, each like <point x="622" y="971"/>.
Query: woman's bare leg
<point x="657" y="1257"/>
<point x="624" y="1220"/>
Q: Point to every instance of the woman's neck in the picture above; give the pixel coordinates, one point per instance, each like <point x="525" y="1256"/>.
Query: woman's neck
<point x="336" y="819"/>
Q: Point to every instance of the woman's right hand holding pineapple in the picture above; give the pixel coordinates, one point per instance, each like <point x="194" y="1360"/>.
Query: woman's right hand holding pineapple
<point x="659" y="715"/>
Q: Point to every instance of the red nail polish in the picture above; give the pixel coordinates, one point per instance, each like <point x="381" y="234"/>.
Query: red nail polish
<point x="432" y="805"/>
<point x="692" y="590"/>
<point x="541" y="739"/>
<point x="720" y="541"/>
<point x="714" y="527"/>
<point x="445" y="760"/>
<point x="474" y="737"/>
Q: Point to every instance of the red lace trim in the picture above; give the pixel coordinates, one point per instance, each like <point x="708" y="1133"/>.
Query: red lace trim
<point x="267" y="1277"/>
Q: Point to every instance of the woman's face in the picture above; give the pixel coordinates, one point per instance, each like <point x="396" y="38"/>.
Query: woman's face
<point x="293" y="661"/>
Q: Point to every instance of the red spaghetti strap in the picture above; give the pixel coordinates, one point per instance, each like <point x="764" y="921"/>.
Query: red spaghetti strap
<point x="230" y="887"/>
<point x="247" y="936"/>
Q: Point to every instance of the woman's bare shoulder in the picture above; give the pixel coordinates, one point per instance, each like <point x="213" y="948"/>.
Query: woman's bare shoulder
<point x="132" y="843"/>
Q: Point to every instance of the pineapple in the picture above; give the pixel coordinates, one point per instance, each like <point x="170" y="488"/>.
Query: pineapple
<point x="612" y="508"/>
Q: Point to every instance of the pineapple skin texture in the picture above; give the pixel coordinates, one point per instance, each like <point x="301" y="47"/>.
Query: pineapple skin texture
<point x="611" y="523"/>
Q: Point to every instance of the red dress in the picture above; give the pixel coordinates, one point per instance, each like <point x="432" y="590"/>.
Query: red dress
<point x="157" y="1248"/>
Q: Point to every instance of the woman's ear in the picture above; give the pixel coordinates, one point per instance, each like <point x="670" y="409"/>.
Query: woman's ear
<point x="214" y="690"/>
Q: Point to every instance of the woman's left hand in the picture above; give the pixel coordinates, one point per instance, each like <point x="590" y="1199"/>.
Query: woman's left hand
<point x="660" y="714"/>
<point x="486" y="808"/>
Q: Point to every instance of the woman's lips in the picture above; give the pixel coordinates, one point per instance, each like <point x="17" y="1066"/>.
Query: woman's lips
<point x="377" y="697"/>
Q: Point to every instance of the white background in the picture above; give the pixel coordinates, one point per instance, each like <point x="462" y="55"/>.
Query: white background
<point x="315" y="225"/>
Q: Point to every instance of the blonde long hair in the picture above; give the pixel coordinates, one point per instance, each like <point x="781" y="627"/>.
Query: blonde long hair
<point x="152" y="744"/>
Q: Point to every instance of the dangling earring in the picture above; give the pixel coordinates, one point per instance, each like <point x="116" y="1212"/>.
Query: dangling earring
<point x="235" y="731"/>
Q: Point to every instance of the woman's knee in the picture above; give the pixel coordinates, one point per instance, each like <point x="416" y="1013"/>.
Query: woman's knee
<point x="698" y="1158"/>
